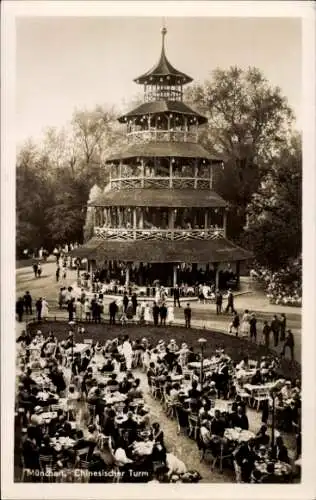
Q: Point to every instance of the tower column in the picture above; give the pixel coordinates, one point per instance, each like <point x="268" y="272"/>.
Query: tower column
<point x="170" y="173"/>
<point x="134" y="222"/>
<point x="175" y="275"/>
<point x="120" y="174"/>
<point x="216" y="267"/>
<point x="225" y="221"/>
<point x="195" y="173"/>
<point x="127" y="275"/>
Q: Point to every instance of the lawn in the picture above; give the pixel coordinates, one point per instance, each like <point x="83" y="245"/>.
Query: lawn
<point x="235" y="347"/>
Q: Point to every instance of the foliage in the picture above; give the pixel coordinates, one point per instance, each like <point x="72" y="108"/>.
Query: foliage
<point x="248" y="120"/>
<point x="54" y="178"/>
<point x="274" y="226"/>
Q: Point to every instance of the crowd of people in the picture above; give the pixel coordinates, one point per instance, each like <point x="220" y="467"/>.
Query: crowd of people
<point x="81" y="414"/>
<point x="82" y="410"/>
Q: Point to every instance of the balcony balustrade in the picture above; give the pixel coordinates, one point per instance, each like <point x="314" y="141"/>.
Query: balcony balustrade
<point x="141" y="136"/>
<point x="122" y="234"/>
<point x="158" y="182"/>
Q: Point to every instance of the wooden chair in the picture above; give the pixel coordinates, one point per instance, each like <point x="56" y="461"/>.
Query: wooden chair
<point x="244" y="395"/>
<point x="259" y="396"/>
<point x="193" y="421"/>
<point x="156" y="389"/>
<point x="223" y="455"/>
<point x="47" y="465"/>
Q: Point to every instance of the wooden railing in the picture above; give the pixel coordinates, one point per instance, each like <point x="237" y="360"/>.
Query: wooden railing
<point x="158" y="182"/>
<point x="161" y="136"/>
<point x="121" y="234"/>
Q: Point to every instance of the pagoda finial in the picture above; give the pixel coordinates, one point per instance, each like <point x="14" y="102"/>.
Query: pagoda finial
<point x="163" y="32"/>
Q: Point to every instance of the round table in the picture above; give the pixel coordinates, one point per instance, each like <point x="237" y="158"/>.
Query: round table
<point x="238" y="435"/>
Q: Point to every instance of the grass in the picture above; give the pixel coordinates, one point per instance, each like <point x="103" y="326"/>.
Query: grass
<point x="235" y="347"/>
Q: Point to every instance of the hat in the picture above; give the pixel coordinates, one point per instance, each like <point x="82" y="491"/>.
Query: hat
<point x="38" y="410"/>
<point x="288" y="382"/>
<point x="38" y="332"/>
<point x="212" y="384"/>
<point x="172" y="341"/>
<point x="184" y="345"/>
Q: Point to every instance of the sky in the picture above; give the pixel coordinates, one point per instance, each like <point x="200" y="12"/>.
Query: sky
<point x="64" y="63"/>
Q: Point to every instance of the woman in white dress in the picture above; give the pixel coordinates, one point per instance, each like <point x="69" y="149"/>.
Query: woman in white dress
<point x="44" y="309"/>
<point x="245" y="325"/>
<point x="147" y="314"/>
<point x="170" y="314"/>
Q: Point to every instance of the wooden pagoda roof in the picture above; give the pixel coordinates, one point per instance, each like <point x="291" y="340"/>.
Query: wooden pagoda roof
<point x="164" y="149"/>
<point x="220" y="250"/>
<point x="175" y="198"/>
<point x="163" y="71"/>
<point x="156" y="107"/>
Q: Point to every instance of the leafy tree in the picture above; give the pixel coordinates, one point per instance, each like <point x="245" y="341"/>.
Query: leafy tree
<point x="248" y="120"/>
<point x="274" y="229"/>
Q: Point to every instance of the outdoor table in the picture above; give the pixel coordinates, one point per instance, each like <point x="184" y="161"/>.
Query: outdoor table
<point x="196" y="365"/>
<point x="114" y="398"/>
<point x="281" y="469"/>
<point x="251" y="388"/>
<point x="47" y="416"/>
<point x="80" y="348"/>
<point x="120" y="419"/>
<point x="62" y="442"/>
<point x="239" y="435"/>
<point x="176" y="378"/>
<point x="245" y="375"/>
<point x="222" y="406"/>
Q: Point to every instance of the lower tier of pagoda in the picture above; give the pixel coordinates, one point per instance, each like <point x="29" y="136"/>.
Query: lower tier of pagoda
<point x="207" y="251"/>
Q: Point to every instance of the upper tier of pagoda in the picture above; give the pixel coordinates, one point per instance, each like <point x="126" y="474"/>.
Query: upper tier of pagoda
<point x="163" y="72"/>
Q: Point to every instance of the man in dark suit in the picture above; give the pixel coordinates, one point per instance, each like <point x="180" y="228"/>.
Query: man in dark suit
<point x="230" y="302"/>
<point x="275" y="328"/>
<point x="163" y="314"/>
<point x="187" y="316"/>
<point x="245" y="457"/>
<point x="219" y="302"/>
<point x="176" y="296"/>
<point x="113" y="311"/>
<point x="156" y="310"/>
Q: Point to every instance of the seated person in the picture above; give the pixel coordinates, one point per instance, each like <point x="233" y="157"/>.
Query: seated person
<point x="218" y="424"/>
<point x="135" y="392"/>
<point x="245" y="457"/>
<point x="243" y="365"/>
<point x="256" y="379"/>
<point x="241" y="419"/>
<point x="194" y="393"/>
<point x="125" y="385"/>
<point x="212" y="391"/>
<point x="281" y="450"/>
<point x="205" y="432"/>
<point x="108" y="366"/>
<point x="174" y="393"/>
<point x="158" y="435"/>
<point x="262" y="438"/>
<point x="113" y="384"/>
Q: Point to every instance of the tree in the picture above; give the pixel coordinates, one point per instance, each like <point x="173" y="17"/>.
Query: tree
<point x="274" y="229"/>
<point x="248" y="121"/>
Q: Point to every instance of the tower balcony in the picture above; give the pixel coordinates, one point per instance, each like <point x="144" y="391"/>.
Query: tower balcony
<point x="156" y="135"/>
<point x="160" y="182"/>
<point x="123" y="234"/>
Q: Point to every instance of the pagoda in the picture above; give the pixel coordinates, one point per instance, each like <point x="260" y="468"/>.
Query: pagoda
<point x="159" y="218"/>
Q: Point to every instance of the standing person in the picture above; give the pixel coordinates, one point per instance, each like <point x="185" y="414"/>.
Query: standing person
<point x="19" y="308"/>
<point x="282" y="322"/>
<point x="65" y="271"/>
<point x="147" y="314"/>
<point x="245" y="325"/>
<point x="219" y="302"/>
<point x="253" y="327"/>
<point x="176" y="296"/>
<point x="113" y="312"/>
<point x="44" y="308"/>
<point x="79" y="310"/>
<point x="71" y="310"/>
<point x="28" y="302"/>
<point x="230" y="302"/>
<point x="170" y="314"/>
<point x="156" y="314"/>
<point x="127" y="352"/>
<point x="57" y="273"/>
<point x="61" y="296"/>
<point x="39" y="270"/>
<point x="125" y="301"/>
<point x="187" y="316"/>
<point x="266" y="333"/>
<point x="38" y="307"/>
<point x="289" y="342"/>
<point x="275" y="328"/>
<point x="35" y="267"/>
<point x="87" y="310"/>
<point x="163" y="314"/>
<point x="134" y="303"/>
<point x="234" y="326"/>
